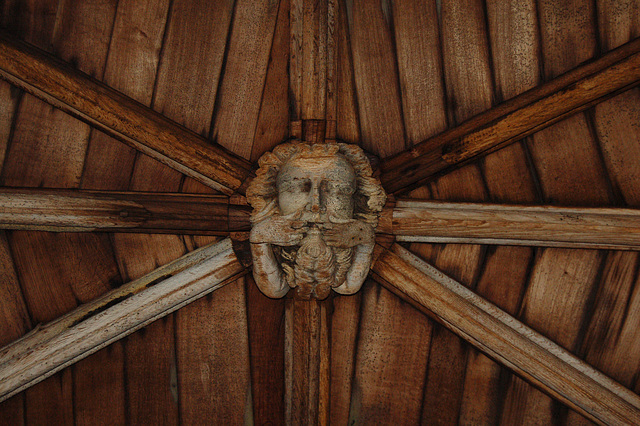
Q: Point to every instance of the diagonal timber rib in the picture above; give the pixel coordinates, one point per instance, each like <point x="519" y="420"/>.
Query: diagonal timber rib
<point x="57" y="83"/>
<point x="89" y="328"/>
<point x="480" y="223"/>
<point x="505" y="339"/>
<point x="515" y="119"/>
<point x="57" y="210"/>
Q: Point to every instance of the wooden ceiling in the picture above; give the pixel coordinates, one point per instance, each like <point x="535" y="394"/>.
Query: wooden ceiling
<point x="399" y="74"/>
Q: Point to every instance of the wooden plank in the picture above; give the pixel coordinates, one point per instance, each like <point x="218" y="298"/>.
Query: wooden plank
<point x="131" y="69"/>
<point x="53" y="286"/>
<point x="244" y="74"/>
<point x="222" y="389"/>
<point x="10" y="98"/>
<point x="420" y="68"/>
<point x="391" y="360"/>
<point x="568" y="35"/>
<point x="273" y="120"/>
<point x="345" y="322"/>
<point x="16" y="322"/>
<point x="610" y="341"/>
<point x="376" y="77"/>
<point x="476" y="223"/>
<point x="120" y="116"/>
<point x="618" y="22"/>
<point x="265" y="320"/>
<point x="347" y="121"/>
<point x="462" y="29"/>
<point x="187" y="84"/>
<point x="515" y="119"/>
<point x="30" y="20"/>
<point x="149" y="354"/>
<point x="115" y="315"/>
<point x="314" y="60"/>
<point x="503" y="276"/>
<point x="88" y="211"/>
<point x="307" y="361"/>
<point x="59" y="162"/>
<point x="515" y="46"/>
<point x="505" y="339"/>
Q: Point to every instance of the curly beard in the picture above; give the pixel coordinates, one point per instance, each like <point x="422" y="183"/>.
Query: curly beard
<point x="314" y="268"/>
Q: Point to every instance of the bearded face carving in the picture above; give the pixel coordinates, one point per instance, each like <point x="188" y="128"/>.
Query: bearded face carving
<point x="315" y="209"/>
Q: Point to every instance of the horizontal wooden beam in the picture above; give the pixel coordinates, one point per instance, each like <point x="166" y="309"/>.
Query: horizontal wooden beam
<point x="56" y="345"/>
<point x="64" y="87"/>
<point x="58" y="210"/>
<point x="505" y="339"/>
<point x="478" y="223"/>
<point x="515" y="119"/>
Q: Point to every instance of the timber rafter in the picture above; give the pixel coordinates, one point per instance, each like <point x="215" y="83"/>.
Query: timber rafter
<point x="572" y="381"/>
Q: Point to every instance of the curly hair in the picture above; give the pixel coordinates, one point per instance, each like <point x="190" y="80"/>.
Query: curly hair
<point x="262" y="193"/>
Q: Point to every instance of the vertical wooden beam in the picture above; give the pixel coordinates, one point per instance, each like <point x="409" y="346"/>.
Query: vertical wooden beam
<point x="312" y="65"/>
<point x="307" y="360"/>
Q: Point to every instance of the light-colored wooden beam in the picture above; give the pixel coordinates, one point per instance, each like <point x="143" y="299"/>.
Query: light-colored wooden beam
<point x="505" y="339"/>
<point x="515" y="119"/>
<point x="56" y="345"/>
<point x="58" y="210"/>
<point x="59" y="84"/>
<point x="478" y="223"/>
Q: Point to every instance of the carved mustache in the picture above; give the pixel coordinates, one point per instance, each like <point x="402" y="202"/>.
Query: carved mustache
<point x="302" y="217"/>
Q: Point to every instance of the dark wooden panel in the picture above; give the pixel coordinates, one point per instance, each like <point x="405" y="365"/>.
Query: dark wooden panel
<point x="273" y="120"/>
<point x="618" y="22"/>
<point x="58" y="162"/>
<point x="420" y="68"/>
<point x="244" y="74"/>
<point x="376" y="77"/>
<point x="149" y="354"/>
<point x="345" y="323"/>
<point x="15" y="321"/>
<point x="212" y="353"/>
<point x="391" y="360"/>
<point x="188" y="78"/>
<point x="568" y="31"/>
<point x="265" y="319"/>
<point x="30" y="20"/>
<point x="10" y="97"/>
<point x="347" y="125"/>
<point x="131" y="69"/>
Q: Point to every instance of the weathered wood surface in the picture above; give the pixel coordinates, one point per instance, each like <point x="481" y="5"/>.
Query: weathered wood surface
<point x="307" y="360"/>
<point x="477" y="223"/>
<point x="92" y="326"/>
<point x="111" y="211"/>
<point x="505" y="339"/>
<point x="65" y="88"/>
<point x="515" y="119"/>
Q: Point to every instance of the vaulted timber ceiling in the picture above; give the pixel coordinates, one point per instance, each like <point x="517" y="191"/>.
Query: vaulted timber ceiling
<point x="433" y="89"/>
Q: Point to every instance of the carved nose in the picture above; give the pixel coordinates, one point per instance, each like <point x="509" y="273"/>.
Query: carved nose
<point x="314" y="201"/>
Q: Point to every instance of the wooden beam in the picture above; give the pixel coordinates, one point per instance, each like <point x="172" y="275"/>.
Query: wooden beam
<point x="307" y="361"/>
<point x="515" y="119"/>
<point x="58" y="210"/>
<point x="64" y="87"/>
<point x="478" y="223"/>
<point x="56" y="345"/>
<point x="505" y="339"/>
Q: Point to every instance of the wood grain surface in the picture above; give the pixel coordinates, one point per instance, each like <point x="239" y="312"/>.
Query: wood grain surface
<point x="513" y="120"/>
<point x="541" y="361"/>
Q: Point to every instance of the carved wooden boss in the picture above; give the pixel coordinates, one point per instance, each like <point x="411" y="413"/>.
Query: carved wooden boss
<point x="315" y="210"/>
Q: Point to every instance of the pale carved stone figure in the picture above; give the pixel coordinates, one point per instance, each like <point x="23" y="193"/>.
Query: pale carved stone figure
<point x="315" y="210"/>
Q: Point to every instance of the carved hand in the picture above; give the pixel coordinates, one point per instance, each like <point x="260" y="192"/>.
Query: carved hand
<point x="350" y="234"/>
<point x="278" y="230"/>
